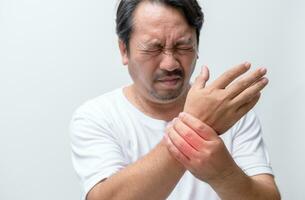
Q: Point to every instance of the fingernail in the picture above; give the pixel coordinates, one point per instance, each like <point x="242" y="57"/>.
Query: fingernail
<point x="181" y="114"/>
<point x="247" y="65"/>
<point x="263" y="70"/>
<point x="265" y="81"/>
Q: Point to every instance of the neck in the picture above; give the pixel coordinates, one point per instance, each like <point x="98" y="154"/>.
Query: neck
<point x="161" y="111"/>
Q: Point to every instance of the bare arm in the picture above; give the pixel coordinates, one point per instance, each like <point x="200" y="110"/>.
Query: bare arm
<point x="152" y="177"/>
<point x="240" y="186"/>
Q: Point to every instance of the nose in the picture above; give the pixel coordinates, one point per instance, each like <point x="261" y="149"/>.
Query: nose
<point x="169" y="62"/>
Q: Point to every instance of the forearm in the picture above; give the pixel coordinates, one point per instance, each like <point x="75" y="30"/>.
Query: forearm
<point x="152" y="177"/>
<point x="237" y="185"/>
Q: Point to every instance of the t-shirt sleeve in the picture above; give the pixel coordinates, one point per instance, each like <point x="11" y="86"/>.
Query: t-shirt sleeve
<point x="96" y="152"/>
<point x="249" y="150"/>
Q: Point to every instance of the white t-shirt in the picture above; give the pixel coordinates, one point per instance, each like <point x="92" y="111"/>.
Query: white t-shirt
<point x="108" y="133"/>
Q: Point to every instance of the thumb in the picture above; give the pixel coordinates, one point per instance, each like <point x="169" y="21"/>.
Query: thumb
<point x="202" y="78"/>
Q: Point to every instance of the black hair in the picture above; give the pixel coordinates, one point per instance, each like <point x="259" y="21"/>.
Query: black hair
<point x="124" y="16"/>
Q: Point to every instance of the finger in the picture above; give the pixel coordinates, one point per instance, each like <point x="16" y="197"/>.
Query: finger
<point x="175" y="152"/>
<point x="198" y="126"/>
<point x="248" y="106"/>
<point x="226" y="78"/>
<point x="188" y="134"/>
<point x="202" y="78"/>
<point x="242" y="84"/>
<point x="181" y="144"/>
<point x="250" y="93"/>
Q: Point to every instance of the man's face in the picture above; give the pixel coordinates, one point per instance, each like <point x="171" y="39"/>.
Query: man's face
<point x="162" y="52"/>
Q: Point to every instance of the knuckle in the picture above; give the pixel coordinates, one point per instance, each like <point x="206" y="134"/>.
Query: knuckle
<point x="208" y="90"/>
<point x="225" y="94"/>
<point x="208" y="154"/>
<point x="247" y="96"/>
<point x="180" y="145"/>
<point x="244" y="83"/>
<point x="199" y="161"/>
<point x="188" y="135"/>
<point x="201" y="128"/>
<point x="182" y="118"/>
<point x="231" y="74"/>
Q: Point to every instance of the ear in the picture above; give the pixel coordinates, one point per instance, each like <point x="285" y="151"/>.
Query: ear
<point x="123" y="51"/>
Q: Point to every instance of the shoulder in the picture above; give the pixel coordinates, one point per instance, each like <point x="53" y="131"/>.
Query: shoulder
<point x="101" y="105"/>
<point x="95" y="117"/>
<point x="101" y="112"/>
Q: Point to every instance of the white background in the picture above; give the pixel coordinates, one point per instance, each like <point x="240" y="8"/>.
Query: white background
<point x="56" y="54"/>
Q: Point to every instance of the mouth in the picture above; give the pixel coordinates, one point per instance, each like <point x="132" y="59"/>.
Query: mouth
<point x="170" y="81"/>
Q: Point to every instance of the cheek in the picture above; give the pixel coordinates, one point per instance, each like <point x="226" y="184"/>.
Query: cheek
<point x="189" y="66"/>
<point x="140" y="71"/>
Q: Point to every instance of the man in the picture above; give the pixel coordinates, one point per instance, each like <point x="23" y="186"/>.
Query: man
<point x="162" y="138"/>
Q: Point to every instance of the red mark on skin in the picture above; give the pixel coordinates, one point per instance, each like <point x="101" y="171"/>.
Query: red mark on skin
<point x="193" y="141"/>
<point x="188" y="137"/>
<point x="186" y="150"/>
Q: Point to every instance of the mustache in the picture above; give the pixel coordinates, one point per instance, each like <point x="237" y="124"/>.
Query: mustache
<point x="164" y="73"/>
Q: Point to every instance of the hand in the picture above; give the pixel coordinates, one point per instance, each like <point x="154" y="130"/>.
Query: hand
<point x="199" y="149"/>
<point x="221" y="105"/>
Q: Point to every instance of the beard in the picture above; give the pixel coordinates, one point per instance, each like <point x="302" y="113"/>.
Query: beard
<point x="166" y="95"/>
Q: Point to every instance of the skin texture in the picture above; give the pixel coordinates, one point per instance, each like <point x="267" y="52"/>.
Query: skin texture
<point x="198" y="147"/>
<point x="160" y="61"/>
<point x="222" y="99"/>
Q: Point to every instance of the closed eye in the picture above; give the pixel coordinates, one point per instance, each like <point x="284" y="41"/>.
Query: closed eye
<point x="152" y="51"/>
<point x="184" y="49"/>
